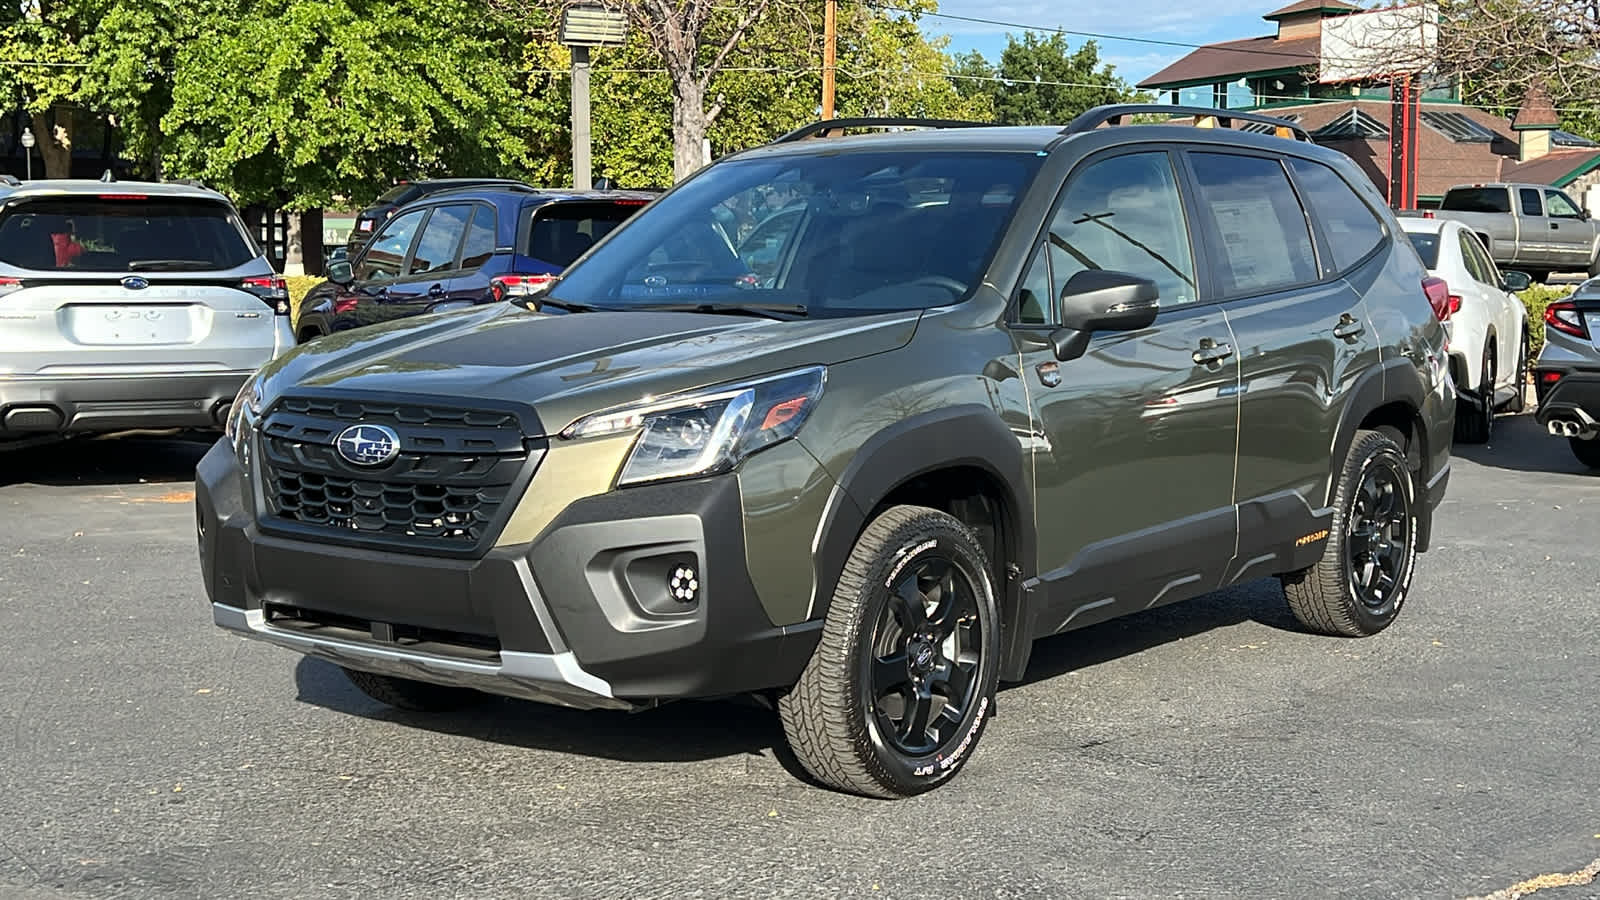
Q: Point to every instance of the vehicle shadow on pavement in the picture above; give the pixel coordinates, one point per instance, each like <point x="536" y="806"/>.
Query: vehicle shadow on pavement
<point x="1520" y="445"/>
<point x="106" y="461"/>
<point x="677" y="732"/>
<point x="1258" y="601"/>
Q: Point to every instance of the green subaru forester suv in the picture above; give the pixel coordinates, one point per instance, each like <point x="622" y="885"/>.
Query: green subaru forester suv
<point x="847" y="422"/>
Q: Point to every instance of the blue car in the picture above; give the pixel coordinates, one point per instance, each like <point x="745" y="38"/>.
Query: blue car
<point x="462" y="247"/>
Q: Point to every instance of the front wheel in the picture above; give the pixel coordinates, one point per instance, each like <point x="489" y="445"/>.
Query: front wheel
<point x="1587" y="452"/>
<point x="1359" y="585"/>
<point x="898" y="692"/>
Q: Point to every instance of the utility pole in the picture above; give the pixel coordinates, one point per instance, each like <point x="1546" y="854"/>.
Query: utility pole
<point x="585" y="25"/>
<point x="830" y="40"/>
<point x="581" y="141"/>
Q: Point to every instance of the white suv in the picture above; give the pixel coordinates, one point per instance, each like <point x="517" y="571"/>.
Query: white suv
<point x="128" y="305"/>
<point x="1487" y="324"/>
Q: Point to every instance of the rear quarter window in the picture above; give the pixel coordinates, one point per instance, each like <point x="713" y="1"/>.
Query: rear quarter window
<point x="131" y="234"/>
<point x="1349" y="225"/>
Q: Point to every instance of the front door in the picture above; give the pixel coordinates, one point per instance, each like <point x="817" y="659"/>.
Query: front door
<point x="1135" y="447"/>
<point x="1536" y="231"/>
<point x="1570" y="232"/>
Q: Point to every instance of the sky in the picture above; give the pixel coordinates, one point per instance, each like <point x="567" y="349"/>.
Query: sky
<point x="1182" y="21"/>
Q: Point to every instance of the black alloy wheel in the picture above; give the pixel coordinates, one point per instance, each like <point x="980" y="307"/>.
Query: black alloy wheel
<point x="927" y="650"/>
<point x="1379" y="536"/>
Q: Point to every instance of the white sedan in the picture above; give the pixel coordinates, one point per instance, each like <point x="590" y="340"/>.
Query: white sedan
<point x="1488" y="324"/>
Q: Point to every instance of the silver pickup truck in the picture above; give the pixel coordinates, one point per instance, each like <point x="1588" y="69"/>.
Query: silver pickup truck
<point x="1533" y="228"/>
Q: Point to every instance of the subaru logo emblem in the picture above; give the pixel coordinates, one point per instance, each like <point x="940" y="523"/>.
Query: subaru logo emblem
<point x="368" y="445"/>
<point x="135" y="283"/>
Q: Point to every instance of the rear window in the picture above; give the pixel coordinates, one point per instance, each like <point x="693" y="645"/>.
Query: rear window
<point x="562" y="232"/>
<point x="1427" y="245"/>
<point x="1482" y="200"/>
<point x="399" y="194"/>
<point x="96" y="234"/>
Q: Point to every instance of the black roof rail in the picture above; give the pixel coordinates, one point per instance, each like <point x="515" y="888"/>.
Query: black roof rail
<point x="1115" y="113"/>
<point x="10" y="181"/>
<point x="824" y="127"/>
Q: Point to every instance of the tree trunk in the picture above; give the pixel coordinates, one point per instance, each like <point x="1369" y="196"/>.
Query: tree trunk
<point x="293" y="259"/>
<point x="55" y="143"/>
<point x="689" y="126"/>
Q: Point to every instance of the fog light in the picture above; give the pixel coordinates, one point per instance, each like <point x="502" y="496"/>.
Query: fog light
<point x="684" y="584"/>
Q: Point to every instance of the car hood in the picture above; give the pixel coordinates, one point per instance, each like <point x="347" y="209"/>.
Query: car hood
<point x="569" y="365"/>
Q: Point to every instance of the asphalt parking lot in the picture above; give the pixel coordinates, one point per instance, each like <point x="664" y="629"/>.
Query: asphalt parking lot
<point x="1204" y="750"/>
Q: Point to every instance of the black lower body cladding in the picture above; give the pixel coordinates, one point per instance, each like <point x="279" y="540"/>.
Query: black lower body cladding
<point x="32" y="406"/>
<point x="599" y="611"/>
<point x="1574" y="398"/>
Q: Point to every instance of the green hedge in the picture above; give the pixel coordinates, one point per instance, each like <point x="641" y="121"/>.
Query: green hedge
<point x="1536" y="299"/>
<point x="298" y="286"/>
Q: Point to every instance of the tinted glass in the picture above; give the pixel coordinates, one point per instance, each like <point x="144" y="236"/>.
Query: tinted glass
<point x="762" y="249"/>
<point x="400" y="193"/>
<point x="1427" y="245"/>
<point x="1034" y="300"/>
<point x="480" y="239"/>
<point x="876" y="231"/>
<point x="1558" y="205"/>
<point x="1489" y="200"/>
<point x="1530" y="202"/>
<point x="1491" y="272"/>
<point x="1470" y="260"/>
<point x="89" y="234"/>
<point x="1266" y="243"/>
<point x="441" y="237"/>
<point x="1124" y="214"/>
<point x="1351" y="228"/>
<point x="387" y="251"/>
<point x="562" y="232"/>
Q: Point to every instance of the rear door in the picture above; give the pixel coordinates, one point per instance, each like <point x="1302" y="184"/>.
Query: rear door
<point x="1571" y="236"/>
<point x="434" y="264"/>
<point x="478" y="245"/>
<point x="1290" y="286"/>
<point x="109" y="283"/>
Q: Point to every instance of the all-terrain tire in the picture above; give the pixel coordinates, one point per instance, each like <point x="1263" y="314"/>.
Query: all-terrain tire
<point x="417" y="696"/>
<point x="1323" y="597"/>
<point x="1587" y="452"/>
<point x="1475" y="415"/>
<point x="829" y="716"/>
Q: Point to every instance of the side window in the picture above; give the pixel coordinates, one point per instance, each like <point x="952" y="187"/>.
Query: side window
<point x="1351" y="228"/>
<point x="1266" y="243"/>
<point x="1123" y="214"/>
<point x="1470" y="259"/>
<point x="441" y="238"/>
<point x="1530" y="202"/>
<point x="1491" y="272"/>
<point x="762" y="248"/>
<point x="1558" y="205"/>
<point x="387" y="251"/>
<point x="480" y="241"/>
<point x="1034" y="300"/>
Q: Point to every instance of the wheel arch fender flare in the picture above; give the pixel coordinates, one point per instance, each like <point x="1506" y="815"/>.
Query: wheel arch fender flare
<point x="1396" y="381"/>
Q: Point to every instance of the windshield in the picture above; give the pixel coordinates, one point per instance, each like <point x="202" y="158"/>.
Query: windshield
<point x="837" y="234"/>
<point x="125" y="234"/>
<point x="1427" y="244"/>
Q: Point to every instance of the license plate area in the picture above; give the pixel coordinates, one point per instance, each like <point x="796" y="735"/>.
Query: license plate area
<point x="129" y="324"/>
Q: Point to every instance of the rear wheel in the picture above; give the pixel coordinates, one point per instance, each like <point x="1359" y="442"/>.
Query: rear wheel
<point x="419" y="696"/>
<point x="1587" y="452"/>
<point x="898" y="692"/>
<point x="1359" y="585"/>
<point x="1475" y="414"/>
<point x="1519" y="394"/>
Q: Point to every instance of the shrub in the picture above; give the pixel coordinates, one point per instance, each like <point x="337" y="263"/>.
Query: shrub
<point x="1536" y="299"/>
<point x="298" y="286"/>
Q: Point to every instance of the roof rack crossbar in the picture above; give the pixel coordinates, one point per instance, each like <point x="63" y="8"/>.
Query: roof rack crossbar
<point x="1114" y="114"/>
<point x="827" y="126"/>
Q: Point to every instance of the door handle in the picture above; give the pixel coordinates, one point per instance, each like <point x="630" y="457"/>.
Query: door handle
<point x="436" y="291"/>
<point x="1210" y="352"/>
<point x="1555" y="226"/>
<point x="1348" y="328"/>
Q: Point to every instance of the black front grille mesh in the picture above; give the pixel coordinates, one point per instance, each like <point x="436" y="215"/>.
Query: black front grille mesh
<point x="446" y="490"/>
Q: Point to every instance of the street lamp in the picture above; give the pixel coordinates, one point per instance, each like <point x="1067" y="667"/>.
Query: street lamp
<point x="27" y="149"/>
<point x="583" y="26"/>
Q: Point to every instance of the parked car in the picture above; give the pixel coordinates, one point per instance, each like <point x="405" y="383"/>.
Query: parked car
<point x="1534" y="228"/>
<point x="128" y="305"/>
<point x="461" y="247"/>
<point x="390" y="201"/>
<point x="1567" y="375"/>
<point x="1486" y="321"/>
<point x="1001" y="383"/>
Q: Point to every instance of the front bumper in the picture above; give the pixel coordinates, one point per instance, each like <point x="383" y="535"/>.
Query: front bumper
<point x="582" y="616"/>
<point x="34" y="405"/>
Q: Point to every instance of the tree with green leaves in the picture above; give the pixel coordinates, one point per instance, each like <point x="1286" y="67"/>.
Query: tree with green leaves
<point x="44" y="44"/>
<point x="1042" y="80"/>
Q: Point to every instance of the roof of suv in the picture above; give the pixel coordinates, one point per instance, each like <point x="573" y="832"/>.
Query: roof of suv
<point x="488" y="191"/>
<point x="93" y="187"/>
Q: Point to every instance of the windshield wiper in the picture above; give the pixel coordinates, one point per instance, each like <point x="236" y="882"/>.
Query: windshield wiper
<point x="169" y="265"/>
<point x="783" y="312"/>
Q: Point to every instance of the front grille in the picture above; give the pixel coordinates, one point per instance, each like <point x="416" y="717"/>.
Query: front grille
<point x="446" y="491"/>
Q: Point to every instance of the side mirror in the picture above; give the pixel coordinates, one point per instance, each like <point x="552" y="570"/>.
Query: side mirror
<point x="1096" y="300"/>
<point x="340" y="272"/>
<point x="1515" y="281"/>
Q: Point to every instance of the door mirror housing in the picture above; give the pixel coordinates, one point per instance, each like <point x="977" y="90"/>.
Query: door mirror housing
<point x="1096" y="300"/>
<point x="1515" y="281"/>
<point x="340" y="272"/>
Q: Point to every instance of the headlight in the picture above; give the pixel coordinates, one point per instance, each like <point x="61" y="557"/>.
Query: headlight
<point x="707" y="432"/>
<point x="247" y="400"/>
